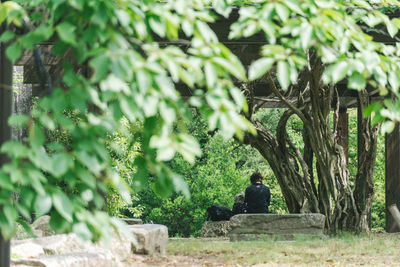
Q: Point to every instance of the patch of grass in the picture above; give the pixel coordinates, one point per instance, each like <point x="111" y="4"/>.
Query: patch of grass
<point x="343" y="249"/>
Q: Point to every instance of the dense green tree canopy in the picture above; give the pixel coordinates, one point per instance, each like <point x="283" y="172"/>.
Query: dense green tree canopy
<point x="133" y="76"/>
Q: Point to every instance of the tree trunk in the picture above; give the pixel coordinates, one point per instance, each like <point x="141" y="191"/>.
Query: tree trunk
<point x="343" y="208"/>
<point x="364" y="184"/>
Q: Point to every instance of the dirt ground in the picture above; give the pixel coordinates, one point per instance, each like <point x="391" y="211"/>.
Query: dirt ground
<point x="366" y="250"/>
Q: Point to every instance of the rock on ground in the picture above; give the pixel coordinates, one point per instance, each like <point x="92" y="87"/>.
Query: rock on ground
<point x="43" y="224"/>
<point x="215" y="229"/>
<point x="92" y="258"/>
<point x="132" y="221"/>
<point x="151" y="238"/>
<point x="27" y="250"/>
<point x="259" y="226"/>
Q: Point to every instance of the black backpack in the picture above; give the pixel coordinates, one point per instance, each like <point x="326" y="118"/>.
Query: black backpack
<point x="219" y="213"/>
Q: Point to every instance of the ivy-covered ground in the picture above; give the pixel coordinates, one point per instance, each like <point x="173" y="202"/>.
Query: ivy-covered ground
<point x="375" y="249"/>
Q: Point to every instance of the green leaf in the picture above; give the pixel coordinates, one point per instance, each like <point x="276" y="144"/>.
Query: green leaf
<point x="373" y="107"/>
<point x="18" y="120"/>
<point x="6" y="36"/>
<point x="165" y="153"/>
<point x="63" y="205"/>
<point x="10" y="213"/>
<point x="305" y="36"/>
<point x="14" y="149"/>
<point x="211" y="74"/>
<point x="231" y="68"/>
<point x="157" y="26"/>
<point x="144" y="81"/>
<point x="82" y="231"/>
<point x="78" y="4"/>
<point x="282" y="11"/>
<point x="188" y="147"/>
<point x="356" y="81"/>
<point x="13" y="52"/>
<point x="394" y="80"/>
<point x="123" y="17"/>
<point x="36" y="136"/>
<point x="24" y="211"/>
<point x="61" y="162"/>
<point x="222" y="8"/>
<point x="58" y="223"/>
<point x="181" y="185"/>
<point x="42" y="205"/>
<point x="339" y="71"/>
<point x="26" y="227"/>
<point x="66" y="32"/>
<point x="5" y="182"/>
<point x="259" y="67"/>
<point x="283" y="74"/>
<point x="187" y="28"/>
<point x="90" y="161"/>
<point x="43" y="32"/>
<point x="387" y="127"/>
<point x="206" y="32"/>
<point x="392" y="29"/>
<point x="100" y="64"/>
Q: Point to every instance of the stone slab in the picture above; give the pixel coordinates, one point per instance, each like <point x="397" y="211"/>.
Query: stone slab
<point x="92" y="258"/>
<point x="215" y="229"/>
<point x="43" y="224"/>
<point x="259" y="226"/>
<point x="131" y="221"/>
<point x="151" y="239"/>
<point x="27" y="250"/>
<point x="120" y="246"/>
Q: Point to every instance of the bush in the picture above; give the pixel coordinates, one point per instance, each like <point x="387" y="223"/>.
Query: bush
<point x="222" y="172"/>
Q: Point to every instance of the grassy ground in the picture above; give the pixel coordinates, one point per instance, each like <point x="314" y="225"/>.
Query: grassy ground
<point x="345" y="250"/>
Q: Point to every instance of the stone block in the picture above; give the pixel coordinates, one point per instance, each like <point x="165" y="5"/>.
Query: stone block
<point x="56" y="244"/>
<point x="259" y="226"/>
<point x="151" y="238"/>
<point x="92" y="258"/>
<point x="27" y="250"/>
<point x="215" y="229"/>
<point x="42" y="224"/>
<point x="120" y="246"/>
<point x="132" y="221"/>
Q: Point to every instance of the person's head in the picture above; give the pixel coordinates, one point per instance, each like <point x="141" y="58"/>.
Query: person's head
<point x="239" y="198"/>
<point x="256" y="178"/>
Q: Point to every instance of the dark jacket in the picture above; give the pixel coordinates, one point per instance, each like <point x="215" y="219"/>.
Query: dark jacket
<point x="257" y="197"/>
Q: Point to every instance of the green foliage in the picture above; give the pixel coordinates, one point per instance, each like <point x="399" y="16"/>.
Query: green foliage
<point x="222" y="172"/>
<point x="133" y="77"/>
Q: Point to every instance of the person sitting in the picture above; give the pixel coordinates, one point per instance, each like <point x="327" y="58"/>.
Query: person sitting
<point x="257" y="195"/>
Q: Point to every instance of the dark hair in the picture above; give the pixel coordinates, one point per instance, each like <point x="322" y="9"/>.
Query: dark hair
<point x="255" y="177"/>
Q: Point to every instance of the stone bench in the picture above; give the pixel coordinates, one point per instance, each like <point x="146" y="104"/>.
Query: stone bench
<point x="245" y="227"/>
<point x="215" y="229"/>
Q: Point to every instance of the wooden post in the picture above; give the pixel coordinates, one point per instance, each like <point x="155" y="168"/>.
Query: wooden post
<point x="342" y="131"/>
<point x="5" y="131"/>
<point x="392" y="176"/>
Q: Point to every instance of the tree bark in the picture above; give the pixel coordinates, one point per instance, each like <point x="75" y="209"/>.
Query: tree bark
<point x="364" y="184"/>
<point x="344" y="208"/>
